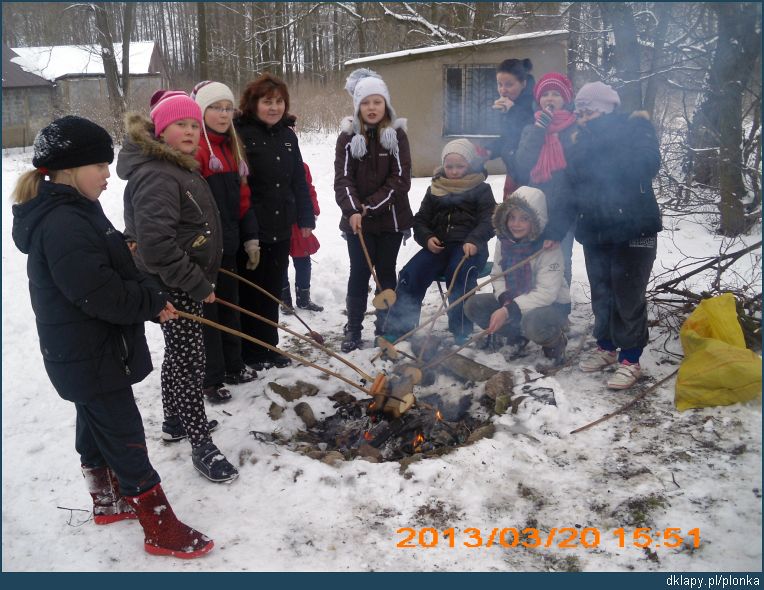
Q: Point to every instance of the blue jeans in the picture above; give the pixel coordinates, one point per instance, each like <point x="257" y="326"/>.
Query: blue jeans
<point x="419" y="273"/>
<point x="301" y="273"/>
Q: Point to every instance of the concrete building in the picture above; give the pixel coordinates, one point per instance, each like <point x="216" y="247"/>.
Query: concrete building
<point x="27" y="102"/>
<point x="73" y="75"/>
<point x="446" y="91"/>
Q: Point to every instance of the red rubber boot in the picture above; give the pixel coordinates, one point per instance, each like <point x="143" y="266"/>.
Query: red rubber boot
<point x="108" y="504"/>
<point x="165" y="534"/>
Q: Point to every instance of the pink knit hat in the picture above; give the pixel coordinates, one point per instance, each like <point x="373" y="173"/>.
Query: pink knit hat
<point x="168" y="106"/>
<point x="554" y="81"/>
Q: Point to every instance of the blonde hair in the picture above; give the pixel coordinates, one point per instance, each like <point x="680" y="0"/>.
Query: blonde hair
<point x="27" y="186"/>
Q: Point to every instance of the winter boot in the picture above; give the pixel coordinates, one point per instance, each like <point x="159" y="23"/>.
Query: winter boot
<point x="380" y="324"/>
<point x="554" y="351"/>
<point x="108" y="504"/>
<point x="304" y="302"/>
<point x="164" y="533"/>
<point x="356" y="307"/>
<point x="286" y="298"/>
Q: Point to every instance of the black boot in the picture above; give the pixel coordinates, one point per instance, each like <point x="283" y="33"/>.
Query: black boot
<point x="304" y="302"/>
<point x="356" y="307"/>
<point x="554" y="350"/>
<point x="286" y="298"/>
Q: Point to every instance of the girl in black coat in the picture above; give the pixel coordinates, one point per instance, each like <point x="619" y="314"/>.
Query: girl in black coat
<point x="90" y="302"/>
<point x="280" y="198"/>
<point x="453" y="221"/>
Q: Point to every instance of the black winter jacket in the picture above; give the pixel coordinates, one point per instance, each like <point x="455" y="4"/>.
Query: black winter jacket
<point x="89" y="299"/>
<point x="557" y="189"/>
<point x="170" y="212"/>
<point x="456" y="217"/>
<point x="512" y="124"/>
<point x="380" y="180"/>
<point x="612" y="163"/>
<point x="280" y="196"/>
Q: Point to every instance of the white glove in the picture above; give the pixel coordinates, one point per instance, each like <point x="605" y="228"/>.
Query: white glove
<point x="252" y="248"/>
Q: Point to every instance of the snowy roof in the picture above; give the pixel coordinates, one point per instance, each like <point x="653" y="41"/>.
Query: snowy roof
<point x="15" y="77"/>
<point x="53" y="62"/>
<point x="450" y="46"/>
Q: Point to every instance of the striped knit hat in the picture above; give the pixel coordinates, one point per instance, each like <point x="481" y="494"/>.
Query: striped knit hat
<point x="554" y="81"/>
<point x="168" y="106"/>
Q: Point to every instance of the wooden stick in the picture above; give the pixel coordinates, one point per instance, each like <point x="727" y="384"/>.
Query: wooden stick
<point x="306" y="362"/>
<point x="368" y="261"/>
<point x="462" y="298"/>
<point x="626" y="406"/>
<point x="420" y="356"/>
<point x="272" y="297"/>
<point x="453" y="352"/>
<point x="297" y="335"/>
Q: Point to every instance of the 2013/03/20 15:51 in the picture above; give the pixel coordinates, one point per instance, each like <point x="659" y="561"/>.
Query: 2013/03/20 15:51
<point x="562" y="538"/>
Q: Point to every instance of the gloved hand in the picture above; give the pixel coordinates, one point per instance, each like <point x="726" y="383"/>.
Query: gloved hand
<point x="543" y="118"/>
<point x="252" y="248"/>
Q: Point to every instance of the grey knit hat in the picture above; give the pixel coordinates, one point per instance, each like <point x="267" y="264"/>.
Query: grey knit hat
<point x="596" y="96"/>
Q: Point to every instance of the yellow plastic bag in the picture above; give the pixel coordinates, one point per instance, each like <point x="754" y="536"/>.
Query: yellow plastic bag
<point x="718" y="370"/>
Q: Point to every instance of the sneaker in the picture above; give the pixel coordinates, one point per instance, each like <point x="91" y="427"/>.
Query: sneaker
<point x="237" y="378"/>
<point x="173" y="431"/>
<point x="217" y="394"/>
<point x="212" y="464"/>
<point x="626" y="375"/>
<point x="598" y="360"/>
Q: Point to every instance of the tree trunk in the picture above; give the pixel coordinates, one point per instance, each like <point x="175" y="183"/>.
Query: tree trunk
<point x="738" y="45"/>
<point x="201" y="19"/>
<point x="663" y="14"/>
<point x="627" y="53"/>
<point x="116" y="98"/>
<point x="128" y="24"/>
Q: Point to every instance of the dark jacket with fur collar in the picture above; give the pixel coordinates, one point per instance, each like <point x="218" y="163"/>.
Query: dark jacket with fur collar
<point x="380" y="179"/>
<point x="89" y="299"/>
<point x="169" y="211"/>
<point x="611" y="165"/>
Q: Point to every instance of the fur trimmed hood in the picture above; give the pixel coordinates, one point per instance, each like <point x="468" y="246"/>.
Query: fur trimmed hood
<point x="140" y="146"/>
<point x="532" y="201"/>
<point x="388" y="137"/>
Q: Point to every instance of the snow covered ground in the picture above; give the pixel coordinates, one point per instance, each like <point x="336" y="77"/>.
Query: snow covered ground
<point x="650" y="466"/>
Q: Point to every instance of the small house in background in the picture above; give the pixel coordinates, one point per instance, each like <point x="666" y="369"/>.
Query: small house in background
<point x="75" y="74"/>
<point x="27" y="102"/>
<point x="446" y="92"/>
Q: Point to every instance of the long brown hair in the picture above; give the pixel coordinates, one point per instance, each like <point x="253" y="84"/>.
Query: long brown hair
<point x="266" y="85"/>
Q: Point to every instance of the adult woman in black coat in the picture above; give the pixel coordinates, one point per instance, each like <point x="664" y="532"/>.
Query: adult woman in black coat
<point x="280" y="198"/>
<point x="515" y="103"/>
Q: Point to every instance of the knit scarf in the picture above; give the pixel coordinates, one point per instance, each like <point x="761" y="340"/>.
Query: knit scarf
<point x="520" y="280"/>
<point x="552" y="156"/>
<point x="442" y="186"/>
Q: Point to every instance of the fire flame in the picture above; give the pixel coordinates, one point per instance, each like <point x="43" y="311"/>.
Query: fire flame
<point x="418" y="440"/>
<point x="367" y="435"/>
<point x="438" y="415"/>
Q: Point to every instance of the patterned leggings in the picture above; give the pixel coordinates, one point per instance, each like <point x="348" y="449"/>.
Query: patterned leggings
<point x="183" y="370"/>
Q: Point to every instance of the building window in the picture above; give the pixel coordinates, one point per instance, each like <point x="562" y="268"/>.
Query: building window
<point x="470" y="91"/>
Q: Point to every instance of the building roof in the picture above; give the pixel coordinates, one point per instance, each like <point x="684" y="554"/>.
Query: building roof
<point x="452" y="46"/>
<point x="53" y="62"/>
<point x="15" y="77"/>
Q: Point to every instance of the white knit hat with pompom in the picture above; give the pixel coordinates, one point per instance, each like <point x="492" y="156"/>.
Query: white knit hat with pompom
<point x="360" y="84"/>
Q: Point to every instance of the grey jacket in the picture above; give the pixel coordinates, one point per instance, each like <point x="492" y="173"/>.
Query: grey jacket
<point x="169" y="211"/>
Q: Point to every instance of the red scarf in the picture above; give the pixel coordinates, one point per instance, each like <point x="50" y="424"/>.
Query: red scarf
<point x="552" y="157"/>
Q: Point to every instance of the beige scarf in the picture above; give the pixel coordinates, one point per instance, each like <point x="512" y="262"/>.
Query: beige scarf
<point x="442" y="186"/>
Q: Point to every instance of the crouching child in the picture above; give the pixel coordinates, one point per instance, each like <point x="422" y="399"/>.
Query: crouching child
<point x="531" y="302"/>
